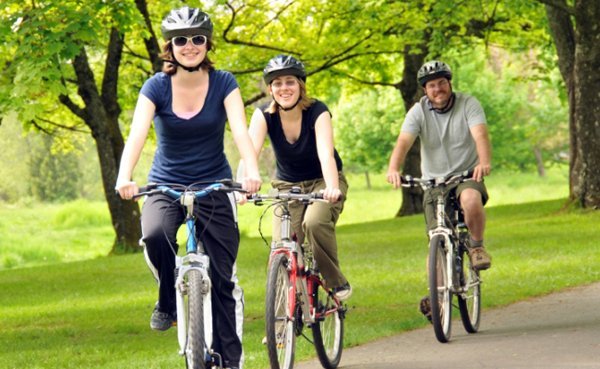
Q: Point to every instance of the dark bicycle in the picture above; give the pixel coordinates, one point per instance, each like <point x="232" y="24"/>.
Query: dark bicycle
<point x="450" y="270"/>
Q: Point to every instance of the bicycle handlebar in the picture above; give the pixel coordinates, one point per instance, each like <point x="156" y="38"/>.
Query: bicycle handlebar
<point x="199" y="189"/>
<point x="258" y="198"/>
<point x="409" y="181"/>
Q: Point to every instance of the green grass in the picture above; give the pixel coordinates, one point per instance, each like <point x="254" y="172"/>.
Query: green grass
<point x="94" y="313"/>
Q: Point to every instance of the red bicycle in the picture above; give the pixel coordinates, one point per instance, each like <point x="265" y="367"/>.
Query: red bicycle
<point x="296" y="295"/>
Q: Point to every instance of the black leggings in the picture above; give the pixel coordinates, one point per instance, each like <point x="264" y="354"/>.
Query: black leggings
<point x="216" y="227"/>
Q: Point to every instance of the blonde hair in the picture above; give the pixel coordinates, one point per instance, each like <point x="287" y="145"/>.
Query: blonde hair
<point x="304" y="102"/>
<point x="169" y="66"/>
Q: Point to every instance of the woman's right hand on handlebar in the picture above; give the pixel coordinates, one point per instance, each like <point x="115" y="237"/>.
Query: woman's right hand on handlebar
<point x="127" y="189"/>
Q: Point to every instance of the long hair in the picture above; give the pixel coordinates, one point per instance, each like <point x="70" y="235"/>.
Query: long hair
<point x="304" y="102"/>
<point x="169" y="66"/>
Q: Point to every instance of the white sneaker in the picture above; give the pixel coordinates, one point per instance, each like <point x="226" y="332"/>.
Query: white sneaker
<point x="344" y="292"/>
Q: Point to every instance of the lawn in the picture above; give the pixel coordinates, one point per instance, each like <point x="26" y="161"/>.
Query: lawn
<point x="93" y="311"/>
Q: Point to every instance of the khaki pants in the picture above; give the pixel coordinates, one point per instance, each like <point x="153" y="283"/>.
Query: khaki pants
<point x="314" y="224"/>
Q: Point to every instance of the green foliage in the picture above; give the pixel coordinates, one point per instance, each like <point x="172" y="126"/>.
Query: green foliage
<point x="524" y="113"/>
<point x="367" y="125"/>
<point x="53" y="175"/>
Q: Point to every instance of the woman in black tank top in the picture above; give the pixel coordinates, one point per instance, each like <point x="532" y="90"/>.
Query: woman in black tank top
<point x="301" y="135"/>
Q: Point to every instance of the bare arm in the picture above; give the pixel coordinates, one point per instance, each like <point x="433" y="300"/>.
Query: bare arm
<point x="484" y="151"/>
<point x="236" y="116"/>
<point x="403" y="144"/>
<point x="325" y="147"/>
<point x="258" y="133"/>
<point x="140" y="125"/>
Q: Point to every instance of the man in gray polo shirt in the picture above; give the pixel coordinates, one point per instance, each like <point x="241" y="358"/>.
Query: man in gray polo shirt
<point x="454" y="138"/>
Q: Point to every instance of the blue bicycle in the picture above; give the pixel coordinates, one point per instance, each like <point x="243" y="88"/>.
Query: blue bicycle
<point x="192" y="281"/>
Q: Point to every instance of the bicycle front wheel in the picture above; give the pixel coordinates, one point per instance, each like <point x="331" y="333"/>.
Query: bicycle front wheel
<point x="328" y="331"/>
<point x="195" y="347"/>
<point x="281" y="338"/>
<point x="469" y="300"/>
<point x="439" y="289"/>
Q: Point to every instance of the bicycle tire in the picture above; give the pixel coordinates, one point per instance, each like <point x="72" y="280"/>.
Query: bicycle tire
<point x="469" y="300"/>
<point x="328" y="331"/>
<point x="440" y="293"/>
<point x="280" y="326"/>
<point x="195" y="348"/>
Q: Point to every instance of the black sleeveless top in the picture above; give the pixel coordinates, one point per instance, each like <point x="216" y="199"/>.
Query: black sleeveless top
<point x="298" y="161"/>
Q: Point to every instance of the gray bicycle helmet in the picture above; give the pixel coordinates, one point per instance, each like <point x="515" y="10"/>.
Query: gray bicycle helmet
<point x="432" y="70"/>
<point x="186" y="21"/>
<point x="283" y="65"/>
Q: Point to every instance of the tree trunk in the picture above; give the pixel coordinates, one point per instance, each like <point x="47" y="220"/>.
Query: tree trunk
<point x="368" y="179"/>
<point x="578" y="52"/>
<point x="412" y="198"/>
<point x="539" y="161"/>
<point x="587" y="102"/>
<point x="100" y="114"/>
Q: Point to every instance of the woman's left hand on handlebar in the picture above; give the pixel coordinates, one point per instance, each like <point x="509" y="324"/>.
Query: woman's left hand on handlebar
<point x="251" y="184"/>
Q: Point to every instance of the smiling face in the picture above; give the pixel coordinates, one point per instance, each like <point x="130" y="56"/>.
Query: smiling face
<point x="285" y="90"/>
<point x="192" y="52"/>
<point x="438" y="91"/>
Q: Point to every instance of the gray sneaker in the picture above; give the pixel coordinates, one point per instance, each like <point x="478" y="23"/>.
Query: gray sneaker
<point x="161" y="321"/>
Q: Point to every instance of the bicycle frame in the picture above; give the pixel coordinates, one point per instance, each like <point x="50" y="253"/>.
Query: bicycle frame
<point x="448" y="242"/>
<point x="195" y="259"/>
<point x="308" y="300"/>
<point x="295" y="255"/>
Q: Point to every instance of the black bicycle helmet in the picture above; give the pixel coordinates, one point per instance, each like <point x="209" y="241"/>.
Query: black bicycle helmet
<point x="283" y="65"/>
<point x="432" y="70"/>
<point x="186" y="21"/>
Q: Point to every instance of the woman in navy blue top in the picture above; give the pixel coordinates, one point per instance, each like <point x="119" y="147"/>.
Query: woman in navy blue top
<point x="301" y="135"/>
<point x="190" y="103"/>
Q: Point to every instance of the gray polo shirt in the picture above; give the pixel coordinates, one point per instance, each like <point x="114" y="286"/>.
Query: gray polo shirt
<point x="447" y="146"/>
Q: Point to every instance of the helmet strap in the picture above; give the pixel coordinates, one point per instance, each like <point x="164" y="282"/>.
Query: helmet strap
<point x="189" y="69"/>
<point x="287" y="109"/>
<point x="446" y="108"/>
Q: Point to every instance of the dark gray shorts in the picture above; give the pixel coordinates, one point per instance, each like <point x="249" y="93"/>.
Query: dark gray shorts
<point x="430" y="198"/>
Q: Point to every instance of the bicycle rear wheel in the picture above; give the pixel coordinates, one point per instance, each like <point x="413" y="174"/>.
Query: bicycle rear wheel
<point x="328" y="331"/>
<point x="439" y="289"/>
<point x="195" y="348"/>
<point x="469" y="300"/>
<point x="281" y="338"/>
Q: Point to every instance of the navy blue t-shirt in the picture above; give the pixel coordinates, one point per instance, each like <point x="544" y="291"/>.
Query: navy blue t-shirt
<point x="189" y="150"/>
<point x="298" y="161"/>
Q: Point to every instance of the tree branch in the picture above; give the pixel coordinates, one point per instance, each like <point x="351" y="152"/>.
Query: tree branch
<point x="560" y="5"/>
<point x="151" y="43"/>
<point x="74" y="128"/>
<point x="255" y="98"/>
<point x="111" y="73"/>
<point x="247" y="43"/>
<point x="364" y="82"/>
<point x="74" y="108"/>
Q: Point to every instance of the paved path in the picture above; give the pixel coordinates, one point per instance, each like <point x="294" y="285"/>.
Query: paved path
<point x="558" y="331"/>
